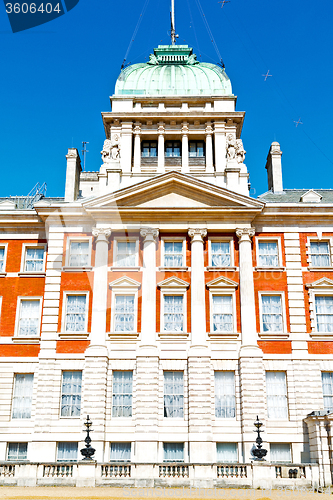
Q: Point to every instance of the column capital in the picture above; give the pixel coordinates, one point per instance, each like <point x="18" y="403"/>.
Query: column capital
<point x="209" y="128"/>
<point x="245" y="233"/>
<point x="197" y="234"/>
<point x="185" y="128"/>
<point x="137" y="129"/>
<point x="161" y="128"/>
<point x="149" y="234"/>
<point x="101" y="234"/>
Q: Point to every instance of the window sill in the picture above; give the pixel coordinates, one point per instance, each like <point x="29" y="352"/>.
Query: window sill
<point x="222" y="336"/>
<point x="172" y="269"/>
<point x="218" y="268"/>
<point x="319" y="268"/>
<point x="173" y="336"/>
<point x="26" y="340"/>
<point x="3" y="275"/>
<point x="125" y="268"/>
<point x="123" y="336"/>
<point x="322" y="335"/>
<point x="269" y="268"/>
<point x="72" y="269"/>
<point x="273" y="335"/>
<point x="74" y="335"/>
<point x="26" y="274"/>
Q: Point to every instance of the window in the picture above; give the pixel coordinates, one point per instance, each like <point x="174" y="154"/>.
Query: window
<point x="173" y="313"/>
<point x="268" y="254"/>
<point x="173" y="452"/>
<point x="76" y="313"/>
<point x="327" y="382"/>
<point x="34" y="259"/>
<point x="17" y="451"/>
<point x="122" y="394"/>
<point x="220" y="253"/>
<point x="149" y="149"/>
<point x="280" y="452"/>
<point x="271" y="313"/>
<point x="173" y="254"/>
<point x="172" y="149"/>
<point x="120" y="452"/>
<point x="22" y="397"/>
<point x="79" y="253"/>
<point x="225" y="401"/>
<point x="276" y="389"/>
<point x="124" y="313"/>
<point x="173" y="395"/>
<point x="29" y="318"/>
<point x="126" y="253"/>
<point x="222" y="313"/>
<point x="67" y="452"/>
<point x="2" y="259"/>
<point x="324" y="313"/>
<point x="196" y="149"/>
<point x="71" y="394"/>
<point x="227" y="452"/>
<point x="320" y="253"/>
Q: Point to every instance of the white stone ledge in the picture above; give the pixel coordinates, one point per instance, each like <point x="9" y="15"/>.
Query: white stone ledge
<point x="50" y="311"/>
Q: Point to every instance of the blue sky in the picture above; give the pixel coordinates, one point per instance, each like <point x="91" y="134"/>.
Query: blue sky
<point x="57" y="78"/>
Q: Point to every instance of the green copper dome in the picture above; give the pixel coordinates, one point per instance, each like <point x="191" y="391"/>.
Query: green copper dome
<point x="173" y="70"/>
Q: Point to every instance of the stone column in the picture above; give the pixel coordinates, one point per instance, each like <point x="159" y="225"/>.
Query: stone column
<point x="126" y="146"/>
<point x="185" y="151"/>
<point x="137" y="149"/>
<point x="198" y="310"/>
<point x="160" y="150"/>
<point x="220" y="146"/>
<point x="209" y="148"/>
<point x="148" y="318"/>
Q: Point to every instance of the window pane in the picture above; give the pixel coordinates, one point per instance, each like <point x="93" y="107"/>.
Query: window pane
<point x="221" y="256"/>
<point x="76" y="313"/>
<point x="226" y="452"/>
<point x="29" y="318"/>
<point x="79" y="253"/>
<point x="17" y="451"/>
<point x="34" y="260"/>
<point x="276" y="389"/>
<point x="22" y="398"/>
<point x="173" y="452"/>
<point x="173" y="313"/>
<point x="280" y="452"/>
<point x="225" y="401"/>
<point x="67" y="452"/>
<point x="124" y="313"/>
<point x="324" y="313"/>
<point x="268" y="254"/>
<point x="222" y="313"/>
<point x="122" y="394"/>
<point x="120" y="452"/>
<point x="126" y="252"/>
<point x="272" y="313"/>
<point x="71" y="394"/>
<point x="173" y="253"/>
<point x="320" y="253"/>
<point x="2" y="260"/>
<point x="327" y="382"/>
<point x="173" y="394"/>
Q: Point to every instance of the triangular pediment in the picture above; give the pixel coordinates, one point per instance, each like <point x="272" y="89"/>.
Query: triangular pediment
<point x="173" y="282"/>
<point x="125" y="282"/>
<point x="222" y="282"/>
<point x="7" y="205"/>
<point x="173" y="190"/>
<point x="311" y="196"/>
<point x="321" y="283"/>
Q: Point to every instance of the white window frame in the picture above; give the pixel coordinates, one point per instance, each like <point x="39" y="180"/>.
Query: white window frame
<point x="269" y="239"/>
<point x="282" y="462"/>
<point x="172" y="461"/>
<point x="61" y="394"/>
<point x="175" y="287"/>
<point x="25" y="338"/>
<point x="112" y="393"/>
<point x="222" y="419"/>
<point x="31" y="397"/>
<point x="228" y="293"/>
<point x="218" y="287"/>
<point x="77" y="239"/>
<point x="68" y="333"/>
<point x="226" y="461"/>
<point x="122" y="239"/>
<point x="284" y="332"/>
<point x="119" y="460"/>
<point x="321" y="287"/>
<point x="171" y="417"/>
<point x="286" y="395"/>
<point x="165" y="239"/>
<point x="67" y="460"/>
<point x="327" y="395"/>
<point x="218" y="239"/>
<point x="25" y="246"/>
<point x="124" y="286"/>
<point x="5" y="246"/>
<point x="324" y="239"/>
<point x="18" y="445"/>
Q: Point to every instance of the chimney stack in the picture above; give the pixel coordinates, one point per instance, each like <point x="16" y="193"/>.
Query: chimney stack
<point x="72" y="175"/>
<point x="274" y="168"/>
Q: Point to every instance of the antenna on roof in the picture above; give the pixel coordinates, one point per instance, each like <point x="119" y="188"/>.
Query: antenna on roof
<point x="84" y="153"/>
<point x="173" y="29"/>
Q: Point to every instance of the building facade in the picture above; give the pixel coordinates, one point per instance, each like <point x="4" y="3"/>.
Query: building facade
<point x="163" y="301"/>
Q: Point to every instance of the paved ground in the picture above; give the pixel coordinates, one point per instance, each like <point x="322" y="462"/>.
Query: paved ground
<point x="60" y="493"/>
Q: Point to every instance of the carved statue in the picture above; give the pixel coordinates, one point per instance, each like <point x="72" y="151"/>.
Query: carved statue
<point x="111" y="149"/>
<point x="153" y="60"/>
<point x="192" y="60"/>
<point x="231" y="147"/>
<point x="240" y="151"/>
<point x="106" y="149"/>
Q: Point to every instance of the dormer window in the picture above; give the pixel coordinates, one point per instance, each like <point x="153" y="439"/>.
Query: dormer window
<point x="149" y="149"/>
<point x="172" y="149"/>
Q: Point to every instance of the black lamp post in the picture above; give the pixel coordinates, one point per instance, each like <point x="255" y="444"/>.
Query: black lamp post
<point x="259" y="452"/>
<point x="88" y="451"/>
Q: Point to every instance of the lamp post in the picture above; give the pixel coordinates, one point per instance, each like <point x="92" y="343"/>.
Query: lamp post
<point x="88" y="451"/>
<point x="259" y="452"/>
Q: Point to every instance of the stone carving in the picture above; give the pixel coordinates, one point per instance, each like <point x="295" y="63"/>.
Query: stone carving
<point x="192" y="60"/>
<point x="245" y="233"/>
<point x="111" y="149"/>
<point x="235" y="149"/>
<point x="197" y="234"/>
<point x="101" y="233"/>
<point x="149" y="233"/>
<point x="153" y="60"/>
<point x="240" y="151"/>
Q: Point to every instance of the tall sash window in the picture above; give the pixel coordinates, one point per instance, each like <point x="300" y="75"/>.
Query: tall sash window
<point x="320" y="253"/>
<point x="327" y="382"/>
<point x="29" y="322"/>
<point x="71" y="394"/>
<point x="76" y="313"/>
<point x="220" y="254"/>
<point x="173" y="394"/>
<point x="173" y="313"/>
<point x="222" y="313"/>
<point x="79" y="254"/>
<point x="324" y="313"/>
<point x="122" y="394"/>
<point x="225" y="401"/>
<point x="271" y="313"/>
<point x="124" y="317"/>
<point x="22" y="398"/>
<point x="268" y="255"/>
<point x="126" y="253"/>
<point x="34" y="260"/>
<point x="277" y="400"/>
<point x="173" y="253"/>
<point x="2" y="260"/>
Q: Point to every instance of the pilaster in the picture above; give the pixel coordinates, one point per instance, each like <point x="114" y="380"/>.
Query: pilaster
<point x="126" y="146"/>
<point x="160" y="150"/>
<point x="209" y="148"/>
<point x="220" y="146"/>
<point x="185" y="151"/>
<point x="198" y="310"/>
<point x="137" y="148"/>
<point x="148" y="321"/>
